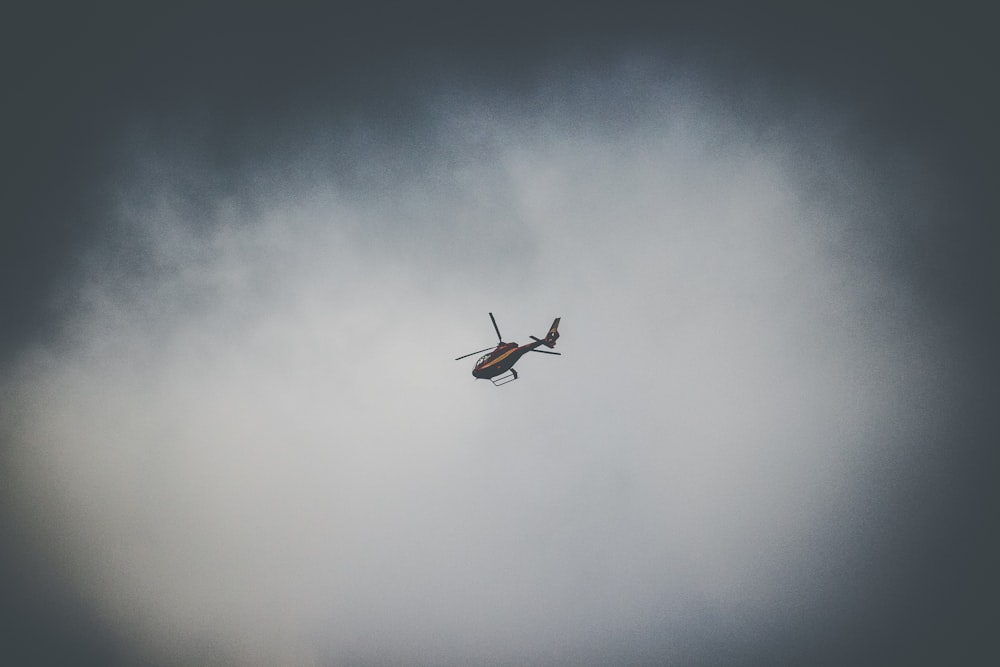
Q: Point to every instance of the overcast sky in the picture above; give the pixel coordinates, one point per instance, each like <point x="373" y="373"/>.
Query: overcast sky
<point x="242" y="249"/>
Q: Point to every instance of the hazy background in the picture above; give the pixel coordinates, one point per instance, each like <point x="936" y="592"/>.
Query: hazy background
<point x="243" y="246"/>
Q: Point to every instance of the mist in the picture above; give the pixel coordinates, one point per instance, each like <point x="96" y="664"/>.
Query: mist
<point x="248" y="442"/>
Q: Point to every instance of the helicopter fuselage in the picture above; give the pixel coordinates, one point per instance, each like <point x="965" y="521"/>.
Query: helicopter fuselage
<point x="502" y="359"/>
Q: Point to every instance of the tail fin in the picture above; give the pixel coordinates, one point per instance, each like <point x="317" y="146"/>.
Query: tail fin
<point x="553" y="334"/>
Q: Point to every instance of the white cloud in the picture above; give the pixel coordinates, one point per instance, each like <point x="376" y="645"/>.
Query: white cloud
<point x="254" y="439"/>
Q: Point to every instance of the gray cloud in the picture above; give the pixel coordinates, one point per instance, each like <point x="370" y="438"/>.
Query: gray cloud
<point x="251" y="443"/>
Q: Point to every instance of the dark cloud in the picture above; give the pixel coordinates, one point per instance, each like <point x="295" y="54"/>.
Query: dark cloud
<point x="189" y="188"/>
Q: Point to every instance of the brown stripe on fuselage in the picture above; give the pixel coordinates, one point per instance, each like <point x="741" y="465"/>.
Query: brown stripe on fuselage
<point x="499" y="359"/>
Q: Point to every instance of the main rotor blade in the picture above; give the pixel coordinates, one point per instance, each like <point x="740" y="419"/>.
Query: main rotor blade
<point x="472" y="353"/>
<point x="558" y="354"/>
<point x="499" y="337"/>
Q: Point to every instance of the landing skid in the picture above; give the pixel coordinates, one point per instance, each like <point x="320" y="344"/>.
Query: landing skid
<point x="506" y="378"/>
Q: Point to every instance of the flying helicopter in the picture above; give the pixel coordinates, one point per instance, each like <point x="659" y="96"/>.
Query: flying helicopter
<point x="498" y="365"/>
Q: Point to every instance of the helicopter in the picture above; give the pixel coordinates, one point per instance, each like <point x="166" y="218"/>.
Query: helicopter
<point x="498" y="365"/>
